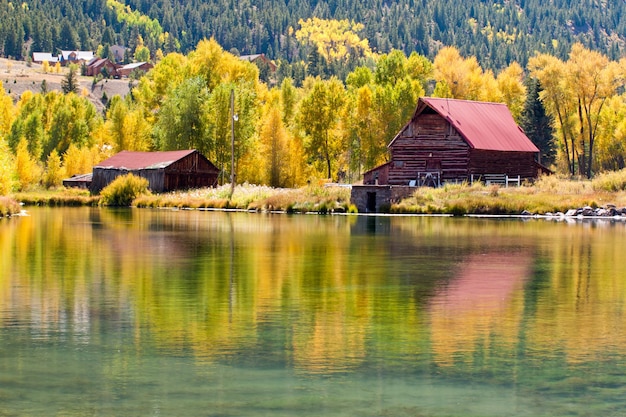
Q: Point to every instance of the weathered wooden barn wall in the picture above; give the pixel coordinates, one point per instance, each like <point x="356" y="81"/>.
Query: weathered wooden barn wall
<point x="430" y="145"/>
<point x="191" y="171"/>
<point x="510" y="163"/>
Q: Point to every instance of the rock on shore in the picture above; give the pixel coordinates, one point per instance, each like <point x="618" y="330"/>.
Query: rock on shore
<point x="609" y="210"/>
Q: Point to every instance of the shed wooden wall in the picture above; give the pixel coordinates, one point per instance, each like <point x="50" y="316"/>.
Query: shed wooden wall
<point x="192" y="171"/>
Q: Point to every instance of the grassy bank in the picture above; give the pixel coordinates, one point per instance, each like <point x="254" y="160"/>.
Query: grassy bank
<point x="8" y="207"/>
<point x="57" y="197"/>
<point x="257" y="198"/>
<point x="548" y="195"/>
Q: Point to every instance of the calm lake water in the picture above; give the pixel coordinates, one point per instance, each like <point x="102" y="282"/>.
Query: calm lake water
<point x="187" y="313"/>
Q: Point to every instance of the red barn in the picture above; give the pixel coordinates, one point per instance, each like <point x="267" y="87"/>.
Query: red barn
<point x="165" y="171"/>
<point x="450" y="140"/>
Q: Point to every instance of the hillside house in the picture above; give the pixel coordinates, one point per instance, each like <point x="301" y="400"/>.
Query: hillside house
<point x="102" y="66"/>
<point x="119" y="53"/>
<point x="75" y="57"/>
<point x="260" y="59"/>
<point x="41" y="57"/>
<point x="126" y="70"/>
<point x="450" y="140"/>
<point x="165" y="171"/>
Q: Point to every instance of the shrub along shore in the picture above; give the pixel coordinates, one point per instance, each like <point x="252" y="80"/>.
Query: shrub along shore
<point x="550" y="195"/>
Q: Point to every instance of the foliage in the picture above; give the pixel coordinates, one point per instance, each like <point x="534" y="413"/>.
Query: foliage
<point x="574" y="94"/>
<point x="7" y="169"/>
<point x="334" y="40"/>
<point x="610" y="181"/>
<point x="124" y="190"/>
<point x="54" y="173"/>
<point x="57" y="197"/>
<point x="27" y="170"/>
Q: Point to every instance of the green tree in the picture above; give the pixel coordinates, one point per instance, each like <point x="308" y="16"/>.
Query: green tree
<point x="70" y="84"/>
<point x="182" y="120"/>
<point x="319" y="117"/>
<point x="537" y="124"/>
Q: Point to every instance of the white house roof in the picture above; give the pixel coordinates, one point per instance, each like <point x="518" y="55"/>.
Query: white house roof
<point x="80" y="55"/>
<point x="44" y="56"/>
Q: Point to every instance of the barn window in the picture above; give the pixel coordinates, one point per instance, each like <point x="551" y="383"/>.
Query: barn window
<point x="399" y="164"/>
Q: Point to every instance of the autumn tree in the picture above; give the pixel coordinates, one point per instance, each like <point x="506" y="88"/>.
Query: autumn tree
<point x="319" y="117"/>
<point x="26" y="168"/>
<point x="273" y="136"/>
<point x="7" y="168"/>
<point x="54" y="172"/>
<point x="182" y="120"/>
<point x="574" y="93"/>
<point x="7" y="111"/>
<point x="334" y="40"/>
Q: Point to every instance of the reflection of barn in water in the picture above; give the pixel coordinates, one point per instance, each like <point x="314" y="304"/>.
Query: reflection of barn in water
<point x="450" y="141"/>
<point x="479" y="304"/>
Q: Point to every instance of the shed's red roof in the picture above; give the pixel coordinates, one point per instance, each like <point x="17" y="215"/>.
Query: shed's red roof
<point x="485" y="126"/>
<point x="144" y="160"/>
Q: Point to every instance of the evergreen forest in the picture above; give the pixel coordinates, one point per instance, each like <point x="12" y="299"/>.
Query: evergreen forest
<point x="497" y="32"/>
<point x="340" y="92"/>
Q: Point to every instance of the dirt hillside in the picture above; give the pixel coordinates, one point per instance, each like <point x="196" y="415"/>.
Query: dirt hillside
<point x="18" y="76"/>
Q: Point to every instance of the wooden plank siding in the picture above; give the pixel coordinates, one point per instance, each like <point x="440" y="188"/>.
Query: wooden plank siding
<point x="190" y="171"/>
<point x="430" y="143"/>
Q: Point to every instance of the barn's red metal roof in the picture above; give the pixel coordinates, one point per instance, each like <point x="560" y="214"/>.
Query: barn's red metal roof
<point x="485" y="126"/>
<point x="143" y="160"/>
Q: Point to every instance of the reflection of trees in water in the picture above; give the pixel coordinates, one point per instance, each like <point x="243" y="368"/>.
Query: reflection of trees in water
<point x="332" y="291"/>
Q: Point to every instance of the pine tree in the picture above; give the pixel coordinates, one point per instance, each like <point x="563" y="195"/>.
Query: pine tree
<point x="69" y="84"/>
<point x="537" y="124"/>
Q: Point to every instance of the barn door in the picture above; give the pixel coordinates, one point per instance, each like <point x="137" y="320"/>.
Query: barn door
<point x="371" y="203"/>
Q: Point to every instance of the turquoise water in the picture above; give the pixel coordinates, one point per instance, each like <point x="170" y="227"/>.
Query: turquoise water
<point x="169" y="313"/>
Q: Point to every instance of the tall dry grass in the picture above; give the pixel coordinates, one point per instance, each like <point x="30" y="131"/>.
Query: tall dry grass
<point x="8" y="207"/>
<point x="549" y="194"/>
<point x="319" y="199"/>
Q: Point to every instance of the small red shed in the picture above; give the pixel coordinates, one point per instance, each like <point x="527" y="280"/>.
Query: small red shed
<point x="165" y="171"/>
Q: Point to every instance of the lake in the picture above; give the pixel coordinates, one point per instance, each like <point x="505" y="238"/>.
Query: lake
<point x="140" y="312"/>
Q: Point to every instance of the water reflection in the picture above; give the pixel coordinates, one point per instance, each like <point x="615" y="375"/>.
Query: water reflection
<point x="310" y="302"/>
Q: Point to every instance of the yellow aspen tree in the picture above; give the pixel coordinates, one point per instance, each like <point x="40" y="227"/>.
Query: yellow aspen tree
<point x="611" y="141"/>
<point x="54" y="173"/>
<point x="462" y="76"/>
<point x="273" y="137"/>
<point x="27" y="170"/>
<point x="319" y="117"/>
<point x="7" y="112"/>
<point x="7" y="168"/>
<point x="592" y="79"/>
<point x="512" y="89"/>
<point x="559" y="104"/>
<point x="72" y="161"/>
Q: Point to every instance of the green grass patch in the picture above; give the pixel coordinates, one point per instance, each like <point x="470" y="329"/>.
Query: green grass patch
<point x="57" y="197"/>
